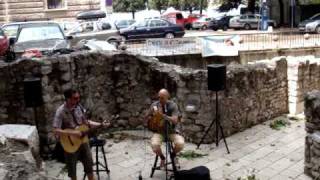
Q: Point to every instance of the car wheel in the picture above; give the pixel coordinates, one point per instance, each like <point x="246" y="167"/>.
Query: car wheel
<point x="169" y="36"/>
<point x="188" y="26"/>
<point x="215" y="29"/>
<point x="225" y="28"/>
<point x="247" y="27"/>
<point x="204" y="27"/>
<point x="318" y="30"/>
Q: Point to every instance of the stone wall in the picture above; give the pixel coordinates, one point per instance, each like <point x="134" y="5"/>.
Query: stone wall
<point x="123" y="86"/>
<point x="196" y="61"/>
<point x="312" y="146"/>
<point x="303" y="77"/>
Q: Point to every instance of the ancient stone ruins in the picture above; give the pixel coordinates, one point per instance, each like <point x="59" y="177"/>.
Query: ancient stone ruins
<point x="121" y="86"/>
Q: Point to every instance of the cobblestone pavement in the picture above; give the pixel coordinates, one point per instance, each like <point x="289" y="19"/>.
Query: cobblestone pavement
<point x="262" y="151"/>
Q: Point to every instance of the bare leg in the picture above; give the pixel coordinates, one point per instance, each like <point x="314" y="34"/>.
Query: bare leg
<point x="157" y="150"/>
<point x="91" y="176"/>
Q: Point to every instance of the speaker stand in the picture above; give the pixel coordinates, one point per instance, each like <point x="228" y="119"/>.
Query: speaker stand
<point x="218" y="127"/>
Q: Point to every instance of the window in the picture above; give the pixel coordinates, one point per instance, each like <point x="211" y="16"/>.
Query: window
<point x="37" y="33"/>
<point x="140" y="24"/>
<point x="157" y="23"/>
<point x="243" y="17"/>
<point x="1" y="33"/>
<point x="179" y="16"/>
<point x="11" y="30"/>
<point x="317" y="17"/>
<point x="55" y="4"/>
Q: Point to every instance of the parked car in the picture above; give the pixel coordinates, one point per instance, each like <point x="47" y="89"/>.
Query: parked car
<point x="220" y="23"/>
<point x="192" y="18"/>
<point x="152" y="28"/>
<point x="43" y="37"/>
<point x="94" y="29"/>
<point x="310" y="25"/>
<point x="174" y="17"/>
<point x="248" y="21"/>
<point x="201" y="23"/>
<point x="4" y="43"/>
<point x="68" y="25"/>
<point x="124" y="23"/>
<point x="11" y="29"/>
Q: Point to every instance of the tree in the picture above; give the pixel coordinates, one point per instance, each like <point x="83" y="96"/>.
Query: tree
<point x="129" y="6"/>
<point x="191" y="5"/>
<point x="159" y="4"/>
<point x="175" y="3"/>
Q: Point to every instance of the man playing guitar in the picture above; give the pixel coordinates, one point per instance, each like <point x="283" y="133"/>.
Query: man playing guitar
<point x="68" y="117"/>
<point x="169" y="110"/>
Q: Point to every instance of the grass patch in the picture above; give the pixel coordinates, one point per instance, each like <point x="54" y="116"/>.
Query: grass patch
<point x="250" y="177"/>
<point x="278" y="124"/>
<point x="189" y="155"/>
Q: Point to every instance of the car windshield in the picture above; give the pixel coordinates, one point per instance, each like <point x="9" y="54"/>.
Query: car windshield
<point x="37" y="33"/>
<point x="315" y="17"/>
<point x="11" y="30"/>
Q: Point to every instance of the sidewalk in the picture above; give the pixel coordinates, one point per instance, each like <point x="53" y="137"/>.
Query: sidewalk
<point x="262" y="151"/>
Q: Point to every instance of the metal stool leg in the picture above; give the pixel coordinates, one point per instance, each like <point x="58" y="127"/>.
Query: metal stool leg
<point x="154" y="166"/>
<point x="97" y="162"/>
<point x="105" y="160"/>
<point x="174" y="167"/>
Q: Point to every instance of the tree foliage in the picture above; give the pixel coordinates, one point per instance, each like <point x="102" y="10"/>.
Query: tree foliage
<point x="191" y="5"/>
<point x="128" y="6"/>
<point x="159" y="4"/>
<point x="135" y="5"/>
<point x="177" y="4"/>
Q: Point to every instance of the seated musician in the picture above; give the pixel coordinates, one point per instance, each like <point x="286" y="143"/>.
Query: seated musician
<point x="69" y="116"/>
<point x="171" y="113"/>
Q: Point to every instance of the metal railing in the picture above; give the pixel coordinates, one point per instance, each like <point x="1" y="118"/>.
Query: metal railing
<point x="247" y="42"/>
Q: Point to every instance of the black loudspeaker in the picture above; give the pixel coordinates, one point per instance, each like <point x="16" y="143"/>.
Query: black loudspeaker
<point x="32" y="92"/>
<point x="216" y="77"/>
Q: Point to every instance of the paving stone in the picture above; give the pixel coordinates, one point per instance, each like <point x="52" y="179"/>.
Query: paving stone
<point x="283" y="160"/>
<point x="267" y="172"/>
<point x="3" y="174"/>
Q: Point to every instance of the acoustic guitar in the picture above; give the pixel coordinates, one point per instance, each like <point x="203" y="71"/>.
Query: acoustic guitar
<point x="157" y="123"/>
<point x="71" y="143"/>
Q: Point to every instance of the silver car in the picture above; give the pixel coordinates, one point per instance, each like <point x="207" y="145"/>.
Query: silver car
<point x="311" y="25"/>
<point x="94" y="29"/>
<point x="249" y="21"/>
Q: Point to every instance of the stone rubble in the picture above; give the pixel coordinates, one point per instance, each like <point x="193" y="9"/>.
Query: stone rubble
<point x="312" y="127"/>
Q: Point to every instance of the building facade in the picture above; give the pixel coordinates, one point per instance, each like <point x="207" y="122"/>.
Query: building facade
<point x="25" y="10"/>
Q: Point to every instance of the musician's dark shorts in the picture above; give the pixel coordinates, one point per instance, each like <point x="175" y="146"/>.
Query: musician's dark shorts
<point x="84" y="155"/>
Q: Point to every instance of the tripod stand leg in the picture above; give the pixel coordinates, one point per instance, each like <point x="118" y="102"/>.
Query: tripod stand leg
<point x="205" y="134"/>
<point x="224" y="138"/>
